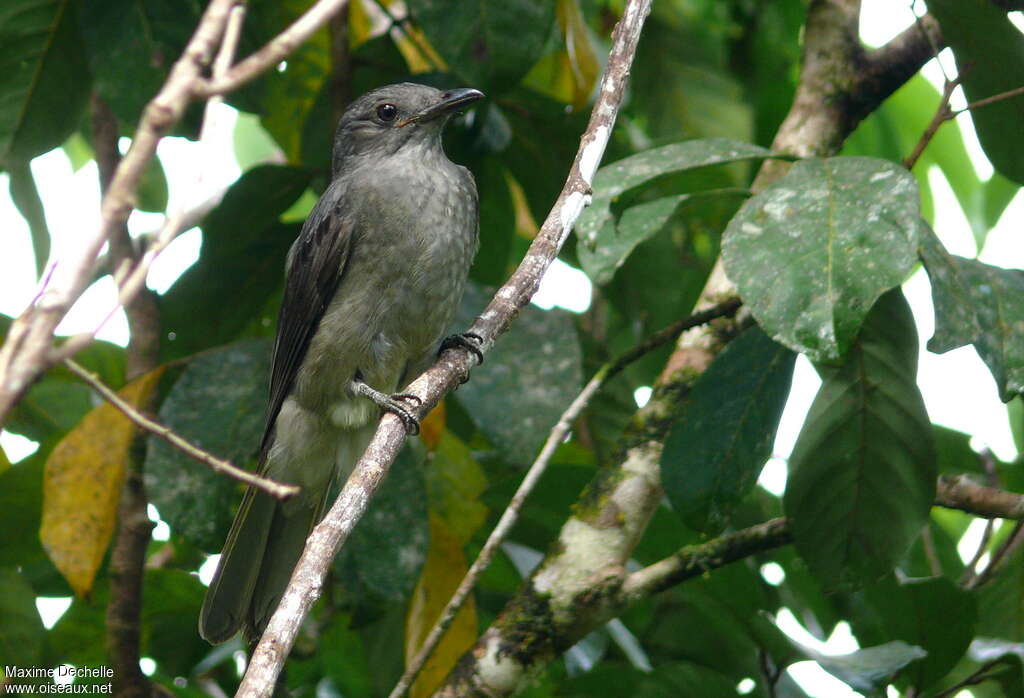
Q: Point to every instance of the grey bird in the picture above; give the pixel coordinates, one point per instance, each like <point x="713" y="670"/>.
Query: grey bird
<point x="372" y="283"/>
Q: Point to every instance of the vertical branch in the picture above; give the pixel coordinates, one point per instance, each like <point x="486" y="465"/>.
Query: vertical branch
<point x="128" y="555"/>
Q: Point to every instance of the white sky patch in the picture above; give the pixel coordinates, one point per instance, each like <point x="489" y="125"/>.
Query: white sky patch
<point x="17" y="447"/>
<point x="563" y="286"/>
<point x="51" y="608"/>
<point x="642" y="395"/>
<point x="208" y="568"/>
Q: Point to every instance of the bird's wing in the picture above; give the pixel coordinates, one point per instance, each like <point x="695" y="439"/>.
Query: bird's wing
<point x="316" y="264"/>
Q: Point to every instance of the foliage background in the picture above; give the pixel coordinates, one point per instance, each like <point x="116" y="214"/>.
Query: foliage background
<point x="704" y="70"/>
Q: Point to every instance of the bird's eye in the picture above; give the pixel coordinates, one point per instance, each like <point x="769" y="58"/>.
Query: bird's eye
<point x="387" y="112"/>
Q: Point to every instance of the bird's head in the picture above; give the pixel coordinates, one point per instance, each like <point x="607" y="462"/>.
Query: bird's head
<point x="389" y="118"/>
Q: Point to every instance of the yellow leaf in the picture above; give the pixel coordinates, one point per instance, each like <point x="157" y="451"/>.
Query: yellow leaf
<point x="432" y="426"/>
<point x="569" y="75"/>
<point x="360" y="25"/>
<point x="419" y="55"/>
<point x="442" y="572"/>
<point x="82" y="486"/>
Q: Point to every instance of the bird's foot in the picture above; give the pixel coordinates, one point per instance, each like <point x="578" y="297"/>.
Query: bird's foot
<point x="470" y="341"/>
<point x="391" y="403"/>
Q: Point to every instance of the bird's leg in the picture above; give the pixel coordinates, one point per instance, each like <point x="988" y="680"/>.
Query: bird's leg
<point x="470" y="341"/>
<point x="389" y="403"/>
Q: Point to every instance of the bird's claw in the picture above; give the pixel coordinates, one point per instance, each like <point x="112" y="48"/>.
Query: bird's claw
<point x="392" y="404"/>
<point x="470" y="341"/>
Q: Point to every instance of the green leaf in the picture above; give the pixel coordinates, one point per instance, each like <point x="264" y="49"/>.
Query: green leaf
<point x="1000" y="612"/>
<point x="497" y="222"/>
<point x="490" y="43"/>
<point x="613" y="180"/>
<point x="686" y="679"/>
<point x="869" y="669"/>
<point x="218" y="403"/>
<point x="989" y="52"/>
<point x="811" y="253"/>
<point x="934" y="614"/>
<point x="388" y="546"/>
<point x="153" y="187"/>
<point x="342" y="657"/>
<point x="79" y="151"/>
<point x="976" y="303"/>
<point x="170" y="605"/>
<point x="723" y="437"/>
<point x="285" y="96"/>
<point x="536" y="371"/>
<point x="22" y="632"/>
<point x="131" y="46"/>
<point x="252" y="144"/>
<point x="43" y="77"/>
<point x="892" y="132"/>
<point x="25" y="196"/>
<point x="862" y="473"/>
<point x="241" y="264"/>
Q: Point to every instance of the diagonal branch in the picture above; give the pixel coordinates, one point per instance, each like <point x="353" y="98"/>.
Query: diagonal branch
<point x="28" y="349"/>
<point x="570" y="592"/>
<point x="219" y="465"/>
<point x="328" y="537"/>
<point x="536" y="471"/>
<point x="274" y="51"/>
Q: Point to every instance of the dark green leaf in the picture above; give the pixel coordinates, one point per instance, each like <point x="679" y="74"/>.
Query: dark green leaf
<point x="388" y="547"/>
<point x="132" y="45"/>
<point x="686" y="679"/>
<point x="869" y="669"/>
<point x="979" y="304"/>
<point x="170" y="606"/>
<point x="289" y="93"/>
<point x="490" y="43"/>
<point x="497" y="223"/>
<point x="1008" y="670"/>
<point x="21" y="633"/>
<point x="716" y="449"/>
<point x="862" y="473"/>
<point x="615" y="242"/>
<point x="26" y="197"/>
<point x="1000" y="612"/>
<point x="43" y="77"/>
<point x="241" y="265"/>
<point x="153" y="187"/>
<point x="342" y="657"/>
<point x="534" y="371"/>
<point x="21" y="502"/>
<point x="218" y="404"/>
<point x="611" y="181"/>
<point x="934" y="614"/>
<point x="892" y="132"/>
<point x="811" y="253"/>
<point x="989" y="52"/>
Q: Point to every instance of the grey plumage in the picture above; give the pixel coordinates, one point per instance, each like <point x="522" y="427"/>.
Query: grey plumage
<point x="372" y="282"/>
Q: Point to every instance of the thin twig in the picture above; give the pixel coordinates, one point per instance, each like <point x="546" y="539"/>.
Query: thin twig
<point x="979" y="676"/>
<point x="1009" y="94"/>
<point x="328" y="537"/>
<point x="275" y="489"/>
<point x="273" y="52"/>
<point x="942" y="115"/>
<point x="999" y="558"/>
<point x="557" y="435"/>
<point x="131" y="279"/>
<point x="27" y="351"/>
<point x="988" y="463"/>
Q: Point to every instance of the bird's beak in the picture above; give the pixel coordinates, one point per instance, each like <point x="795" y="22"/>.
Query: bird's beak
<point x="451" y="101"/>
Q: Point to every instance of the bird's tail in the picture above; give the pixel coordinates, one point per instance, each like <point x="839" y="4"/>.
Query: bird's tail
<point x="265" y="542"/>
